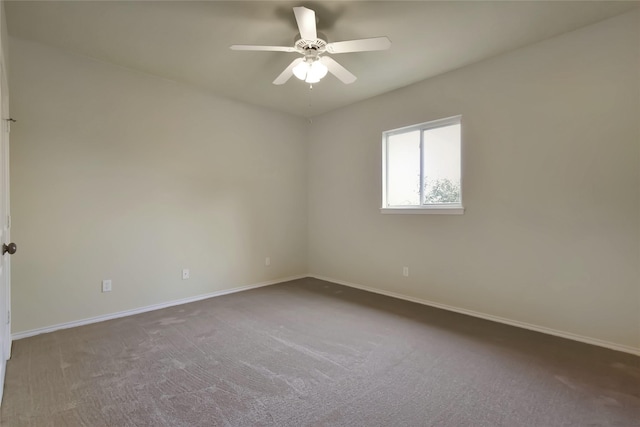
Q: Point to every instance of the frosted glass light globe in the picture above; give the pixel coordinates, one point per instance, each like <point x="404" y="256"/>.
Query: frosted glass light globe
<point x="301" y="70"/>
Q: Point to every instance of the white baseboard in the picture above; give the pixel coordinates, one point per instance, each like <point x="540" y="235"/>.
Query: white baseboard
<point x="524" y="325"/>
<point x="32" y="332"/>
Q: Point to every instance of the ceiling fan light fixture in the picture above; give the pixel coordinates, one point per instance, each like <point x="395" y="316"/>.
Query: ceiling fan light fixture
<point x="301" y="70"/>
<point x="310" y="72"/>
<point x="317" y="71"/>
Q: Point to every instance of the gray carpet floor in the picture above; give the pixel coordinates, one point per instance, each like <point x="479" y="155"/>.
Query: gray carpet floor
<point x="313" y="353"/>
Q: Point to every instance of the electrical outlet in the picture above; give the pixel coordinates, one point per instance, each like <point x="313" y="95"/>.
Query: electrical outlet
<point x="106" y="286"/>
<point x="267" y="261"/>
<point x="185" y="273"/>
<point x="405" y="271"/>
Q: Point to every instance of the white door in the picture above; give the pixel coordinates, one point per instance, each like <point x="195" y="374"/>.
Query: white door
<point x="5" y="223"/>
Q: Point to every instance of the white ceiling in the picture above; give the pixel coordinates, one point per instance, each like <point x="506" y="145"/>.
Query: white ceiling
<point x="189" y="41"/>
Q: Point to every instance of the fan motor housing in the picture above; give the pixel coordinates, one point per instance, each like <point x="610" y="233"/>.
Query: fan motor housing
<point x="318" y="45"/>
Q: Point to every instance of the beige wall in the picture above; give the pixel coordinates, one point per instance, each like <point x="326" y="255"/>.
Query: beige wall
<point x="124" y="176"/>
<point x="551" y="233"/>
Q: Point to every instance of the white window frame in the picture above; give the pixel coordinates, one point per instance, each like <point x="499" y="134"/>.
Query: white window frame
<point x="448" y="208"/>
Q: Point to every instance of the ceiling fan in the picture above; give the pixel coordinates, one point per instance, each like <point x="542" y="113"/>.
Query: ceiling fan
<point x="314" y="63"/>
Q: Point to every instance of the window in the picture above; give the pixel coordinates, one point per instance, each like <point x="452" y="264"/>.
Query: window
<point x="421" y="168"/>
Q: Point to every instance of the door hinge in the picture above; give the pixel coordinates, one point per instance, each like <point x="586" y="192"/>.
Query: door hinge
<point x="8" y="317"/>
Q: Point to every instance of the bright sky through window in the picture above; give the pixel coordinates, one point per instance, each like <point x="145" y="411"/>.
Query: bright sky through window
<point x="441" y="162"/>
<point x="404" y="169"/>
<point x="422" y="165"/>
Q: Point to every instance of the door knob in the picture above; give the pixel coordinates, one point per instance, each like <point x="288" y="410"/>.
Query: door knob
<point x="11" y="248"/>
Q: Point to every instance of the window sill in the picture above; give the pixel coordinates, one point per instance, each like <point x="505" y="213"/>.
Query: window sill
<point x="423" y="210"/>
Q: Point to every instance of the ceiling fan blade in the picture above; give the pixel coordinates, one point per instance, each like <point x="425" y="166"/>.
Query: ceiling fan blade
<point x="263" y="48"/>
<point x="306" y="19"/>
<point x="287" y="73"/>
<point x="361" y="45"/>
<point x="338" y="70"/>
